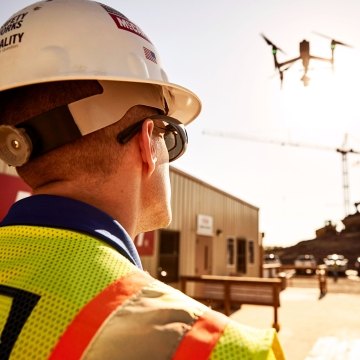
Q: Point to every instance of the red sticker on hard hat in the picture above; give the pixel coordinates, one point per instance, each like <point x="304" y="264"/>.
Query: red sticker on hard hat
<point x="10" y="39"/>
<point x="150" y="55"/>
<point x="123" y="23"/>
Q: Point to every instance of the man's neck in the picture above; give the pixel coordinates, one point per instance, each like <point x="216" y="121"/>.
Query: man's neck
<point x="122" y="205"/>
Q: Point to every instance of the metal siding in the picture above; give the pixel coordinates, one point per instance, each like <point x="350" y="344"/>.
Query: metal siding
<point x="233" y="216"/>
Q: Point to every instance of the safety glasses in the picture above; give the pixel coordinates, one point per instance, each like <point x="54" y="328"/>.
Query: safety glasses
<point x="173" y="130"/>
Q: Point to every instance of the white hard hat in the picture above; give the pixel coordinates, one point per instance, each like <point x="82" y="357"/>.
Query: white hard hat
<point x="57" y="40"/>
<point x="80" y="39"/>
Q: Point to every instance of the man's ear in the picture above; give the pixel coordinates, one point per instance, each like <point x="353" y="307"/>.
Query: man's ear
<point x="147" y="148"/>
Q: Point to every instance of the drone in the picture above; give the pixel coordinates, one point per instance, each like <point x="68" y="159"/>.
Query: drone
<point x="304" y="56"/>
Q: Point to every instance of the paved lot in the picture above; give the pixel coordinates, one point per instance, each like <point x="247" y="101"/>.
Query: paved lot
<point x="313" y="329"/>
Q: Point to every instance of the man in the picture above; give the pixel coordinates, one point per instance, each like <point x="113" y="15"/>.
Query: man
<point x="91" y="123"/>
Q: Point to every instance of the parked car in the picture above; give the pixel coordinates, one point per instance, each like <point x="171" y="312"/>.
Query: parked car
<point x="305" y="264"/>
<point x="272" y="259"/>
<point x="336" y="264"/>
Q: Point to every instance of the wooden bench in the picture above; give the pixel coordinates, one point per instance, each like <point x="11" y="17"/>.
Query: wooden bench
<point x="234" y="290"/>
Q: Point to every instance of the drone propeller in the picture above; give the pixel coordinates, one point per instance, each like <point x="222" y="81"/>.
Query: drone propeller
<point x="333" y="41"/>
<point x="274" y="47"/>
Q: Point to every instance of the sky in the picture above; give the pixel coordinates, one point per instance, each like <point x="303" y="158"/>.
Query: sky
<point x="215" y="49"/>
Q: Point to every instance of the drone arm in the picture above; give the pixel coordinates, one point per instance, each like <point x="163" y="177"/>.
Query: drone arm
<point x="280" y="65"/>
<point x="320" y="58"/>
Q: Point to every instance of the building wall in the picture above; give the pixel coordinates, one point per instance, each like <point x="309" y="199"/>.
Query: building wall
<point x="232" y="217"/>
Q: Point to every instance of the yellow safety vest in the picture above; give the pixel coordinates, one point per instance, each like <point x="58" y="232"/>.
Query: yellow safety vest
<point x="66" y="295"/>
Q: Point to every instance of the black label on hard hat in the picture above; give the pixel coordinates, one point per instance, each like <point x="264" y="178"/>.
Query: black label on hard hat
<point x="123" y="23"/>
<point x="10" y="40"/>
<point x="13" y="24"/>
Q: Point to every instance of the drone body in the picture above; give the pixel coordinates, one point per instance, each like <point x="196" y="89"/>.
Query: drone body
<point x="304" y="55"/>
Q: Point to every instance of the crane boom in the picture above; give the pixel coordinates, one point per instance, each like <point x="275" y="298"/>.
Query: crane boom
<point x="344" y="151"/>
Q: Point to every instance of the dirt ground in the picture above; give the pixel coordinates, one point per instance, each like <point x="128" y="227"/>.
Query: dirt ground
<point x="346" y="285"/>
<point x="312" y="328"/>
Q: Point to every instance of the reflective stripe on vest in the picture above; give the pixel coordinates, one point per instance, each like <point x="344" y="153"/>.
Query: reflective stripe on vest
<point x="86" y="324"/>
<point x="203" y="336"/>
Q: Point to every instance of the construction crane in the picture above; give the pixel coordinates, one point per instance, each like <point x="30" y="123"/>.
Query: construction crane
<point x="344" y="150"/>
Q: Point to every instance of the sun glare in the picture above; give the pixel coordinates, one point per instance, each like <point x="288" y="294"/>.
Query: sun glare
<point x="329" y="102"/>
